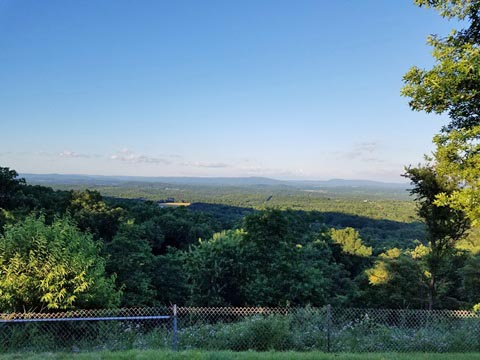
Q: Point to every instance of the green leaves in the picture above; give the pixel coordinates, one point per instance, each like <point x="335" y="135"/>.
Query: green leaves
<point x="452" y="85"/>
<point x="448" y="190"/>
<point x="350" y="241"/>
<point x="458" y="159"/>
<point x="51" y="266"/>
<point x="92" y="214"/>
<point x="275" y="261"/>
<point x="10" y="186"/>
<point x="449" y="8"/>
<point x="131" y="258"/>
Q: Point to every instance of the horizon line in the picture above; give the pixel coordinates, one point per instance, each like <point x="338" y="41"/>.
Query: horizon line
<point x="215" y="177"/>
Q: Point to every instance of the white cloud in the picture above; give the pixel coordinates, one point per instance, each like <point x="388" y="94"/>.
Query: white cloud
<point x="72" y="154"/>
<point x="259" y="170"/>
<point x="43" y="153"/>
<point x="212" y="165"/>
<point x="243" y="167"/>
<point x="364" y="151"/>
<point x="126" y="155"/>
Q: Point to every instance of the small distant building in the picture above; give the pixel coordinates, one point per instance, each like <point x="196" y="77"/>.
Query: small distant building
<point x="168" y="200"/>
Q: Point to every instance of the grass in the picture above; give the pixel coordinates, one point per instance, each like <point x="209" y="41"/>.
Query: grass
<point x="224" y="355"/>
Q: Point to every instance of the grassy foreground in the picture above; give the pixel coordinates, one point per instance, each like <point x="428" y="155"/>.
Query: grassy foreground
<point x="224" y="355"/>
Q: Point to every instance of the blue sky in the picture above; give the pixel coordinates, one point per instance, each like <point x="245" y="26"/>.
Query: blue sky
<point x="285" y="89"/>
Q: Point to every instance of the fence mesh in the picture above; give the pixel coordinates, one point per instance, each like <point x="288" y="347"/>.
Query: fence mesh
<point x="249" y="328"/>
<point x="117" y="329"/>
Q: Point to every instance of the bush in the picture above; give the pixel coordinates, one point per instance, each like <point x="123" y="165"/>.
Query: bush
<point x="254" y="333"/>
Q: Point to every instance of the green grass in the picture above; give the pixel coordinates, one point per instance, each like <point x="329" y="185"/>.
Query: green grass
<point x="224" y="355"/>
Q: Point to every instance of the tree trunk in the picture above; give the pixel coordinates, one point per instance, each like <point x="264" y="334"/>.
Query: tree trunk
<point x="431" y="291"/>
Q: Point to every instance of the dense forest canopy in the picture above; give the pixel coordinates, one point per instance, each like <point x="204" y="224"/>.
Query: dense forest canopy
<point x="133" y="252"/>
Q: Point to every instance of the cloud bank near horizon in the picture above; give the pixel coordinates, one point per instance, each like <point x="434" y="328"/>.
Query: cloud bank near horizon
<point x="360" y="161"/>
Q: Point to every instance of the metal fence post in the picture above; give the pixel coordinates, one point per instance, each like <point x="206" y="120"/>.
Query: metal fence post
<point x="175" y="328"/>
<point x="329" y="320"/>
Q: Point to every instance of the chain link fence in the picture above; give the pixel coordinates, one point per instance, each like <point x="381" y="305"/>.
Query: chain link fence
<point x="326" y="329"/>
<point x="92" y="330"/>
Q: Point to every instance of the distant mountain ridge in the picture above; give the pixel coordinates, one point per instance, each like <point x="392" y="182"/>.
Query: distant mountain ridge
<point x="351" y="183"/>
<point x="66" y="179"/>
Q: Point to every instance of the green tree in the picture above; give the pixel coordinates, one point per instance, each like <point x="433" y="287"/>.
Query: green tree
<point x="181" y="228"/>
<point x="171" y="277"/>
<point x="216" y="269"/>
<point x="397" y="280"/>
<point x="17" y="199"/>
<point x="130" y="258"/>
<point x="350" y="241"/>
<point x="470" y="274"/>
<point x="452" y="86"/>
<point x="52" y="266"/>
<point x="10" y="186"/>
<point x="287" y="265"/>
<point x="92" y="214"/>
<point x="445" y="225"/>
<point x="5" y="218"/>
<point x="274" y="261"/>
<point x="448" y="192"/>
<point x="458" y="159"/>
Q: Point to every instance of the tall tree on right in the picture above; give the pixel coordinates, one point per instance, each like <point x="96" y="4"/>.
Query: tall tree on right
<point x="452" y="86"/>
<point x="448" y="189"/>
<point x="445" y="227"/>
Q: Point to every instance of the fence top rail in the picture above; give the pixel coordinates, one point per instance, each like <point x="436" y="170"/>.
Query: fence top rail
<point x="289" y="310"/>
<point x="111" y="318"/>
<point x="235" y="311"/>
<point x="419" y="312"/>
<point x="144" y="312"/>
<point x="93" y="313"/>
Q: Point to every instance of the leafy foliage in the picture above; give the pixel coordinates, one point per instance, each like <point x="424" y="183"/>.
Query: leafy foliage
<point x="92" y="214"/>
<point x="52" y="266"/>
<point x="267" y="263"/>
<point x="452" y="84"/>
<point x="216" y="269"/>
<point x="130" y="258"/>
<point x="350" y="241"/>
<point x="445" y="225"/>
<point x="448" y="190"/>
<point x="10" y="186"/>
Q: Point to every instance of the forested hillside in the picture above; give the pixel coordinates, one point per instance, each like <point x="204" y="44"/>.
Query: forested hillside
<point x="62" y="249"/>
<point x="384" y="214"/>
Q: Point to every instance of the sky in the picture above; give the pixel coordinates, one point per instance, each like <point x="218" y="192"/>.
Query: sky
<point x="283" y="89"/>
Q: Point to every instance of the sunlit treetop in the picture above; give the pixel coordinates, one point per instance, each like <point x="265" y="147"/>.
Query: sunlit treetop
<point x="450" y="8"/>
<point x="452" y="85"/>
